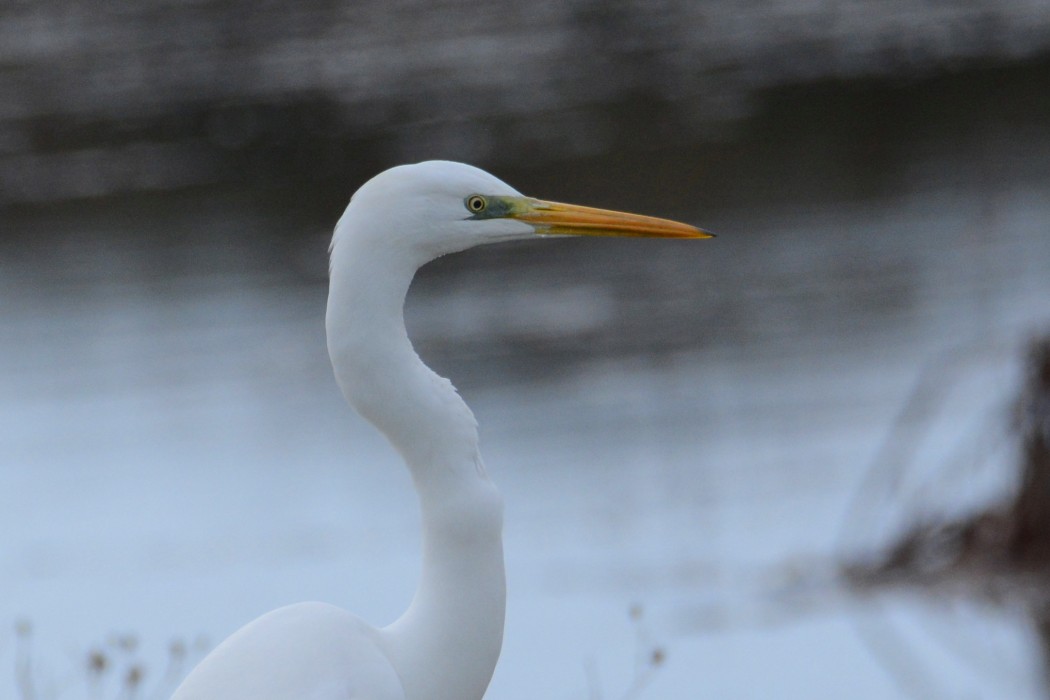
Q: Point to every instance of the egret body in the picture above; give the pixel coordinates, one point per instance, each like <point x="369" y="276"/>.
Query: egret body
<point x="445" y="646"/>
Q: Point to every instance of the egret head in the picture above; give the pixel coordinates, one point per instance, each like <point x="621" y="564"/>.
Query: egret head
<point x="436" y="207"/>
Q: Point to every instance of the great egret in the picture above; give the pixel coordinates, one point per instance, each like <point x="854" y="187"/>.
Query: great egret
<point x="446" y="644"/>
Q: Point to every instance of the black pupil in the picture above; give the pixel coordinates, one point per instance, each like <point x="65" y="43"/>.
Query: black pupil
<point x="476" y="204"/>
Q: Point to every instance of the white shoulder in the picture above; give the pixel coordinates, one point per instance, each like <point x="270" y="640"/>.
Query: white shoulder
<point x="307" y="651"/>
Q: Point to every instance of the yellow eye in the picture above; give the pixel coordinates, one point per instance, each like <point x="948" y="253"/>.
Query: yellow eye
<point x="476" y="203"/>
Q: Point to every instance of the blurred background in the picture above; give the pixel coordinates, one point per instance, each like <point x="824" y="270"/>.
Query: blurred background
<point x="805" y="459"/>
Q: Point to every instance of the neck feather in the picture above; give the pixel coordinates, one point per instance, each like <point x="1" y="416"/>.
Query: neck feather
<point x="447" y="643"/>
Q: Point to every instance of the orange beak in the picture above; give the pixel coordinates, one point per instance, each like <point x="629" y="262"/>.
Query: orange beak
<point x="555" y="219"/>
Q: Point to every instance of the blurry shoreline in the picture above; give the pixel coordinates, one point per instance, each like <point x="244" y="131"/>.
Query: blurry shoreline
<point x="295" y="108"/>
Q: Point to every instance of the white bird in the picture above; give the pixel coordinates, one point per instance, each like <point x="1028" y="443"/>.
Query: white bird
<point x="445" y="646"/>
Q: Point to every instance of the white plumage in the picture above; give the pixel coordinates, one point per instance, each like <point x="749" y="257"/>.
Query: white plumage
<point x="445" y="646"/>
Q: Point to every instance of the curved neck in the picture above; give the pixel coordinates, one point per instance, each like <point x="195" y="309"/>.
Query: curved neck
<point x="446" y="645"/>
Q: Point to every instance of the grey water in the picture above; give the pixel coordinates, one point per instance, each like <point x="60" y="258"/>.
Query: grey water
<point x="678" y="428"/>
